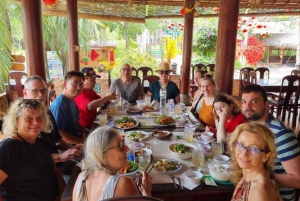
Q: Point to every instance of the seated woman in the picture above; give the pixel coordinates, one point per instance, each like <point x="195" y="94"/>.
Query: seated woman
<point x="228" y="116"/>
<point x="198" y="94"/>
<point x="27" y="171"/>
<point x="164" y="81"/>
<point x="252" y="149"/>
<point x="105" y="155"/>
<point x="205" y="113"/>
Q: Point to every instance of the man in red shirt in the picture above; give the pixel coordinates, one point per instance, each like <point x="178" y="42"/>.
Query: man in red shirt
<point x="88" y="100"/>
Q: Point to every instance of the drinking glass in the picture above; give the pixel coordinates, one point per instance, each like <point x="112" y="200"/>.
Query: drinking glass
<point x="112" y="109"/>
<point x="217" y="148"/>
<point x="144" y="160"/>
<point x="198" y="158"/>
<point x="102" y="119"/>
<point x="177" y="110"/>
<point x="188" y="133"/>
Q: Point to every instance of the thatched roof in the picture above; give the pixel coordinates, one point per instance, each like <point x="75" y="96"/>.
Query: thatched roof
<point x="140" y="10"/>
<point x="283" y="40"/>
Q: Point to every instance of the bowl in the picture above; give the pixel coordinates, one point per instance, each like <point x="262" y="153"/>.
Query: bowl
<point x="133" y="174"/>
<point x="221" y="159"/>
<point x="142" y="103"/>
<point x="193" y="176"/>
<point x="204" y="147"/>
<point x="181" y="155"/>
<point x="219" y="171"/>
<point x="207" y="135"/>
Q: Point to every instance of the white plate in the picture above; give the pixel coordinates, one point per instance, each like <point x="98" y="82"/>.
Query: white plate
<point x="162" y="124"/>
<point x="151" y="114"/>
<point x="145" y="135"/>
<point x="135" y="125"/>
<point x="171" y="171"/>
<point x="209" y="141"/>
<point x="167" y="134"/>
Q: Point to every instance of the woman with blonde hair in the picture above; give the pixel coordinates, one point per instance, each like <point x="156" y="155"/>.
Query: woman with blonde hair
<point x="105" y="154"/>
<point x="253" y="150"/>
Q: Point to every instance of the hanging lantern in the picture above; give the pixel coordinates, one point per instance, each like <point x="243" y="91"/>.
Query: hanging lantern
<point x="252" y="17"/>
<point x="244" y="20"/>
<point x="265" y="26"/>
<point x="181" y="28"/>
<point x="216" y="10"/>
<point x="244" y="29"/>
<point x="179" y="24"/>
<point x="249" y="24"/>
<point x="172" y="24"/>
<point x="259" y="26"/>
<point x="239" y="39"/>
<point x="182" y="11"/>
<point x="169" y="27"/>
<point x="49" y="3"/>
<point x="263" y="33"/>
<point x="238" y="26"/>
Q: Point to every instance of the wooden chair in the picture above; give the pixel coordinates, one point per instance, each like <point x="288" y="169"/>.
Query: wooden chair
<point x="134" y="71"/>
<point x="288" y="99"/>
<point x="252" y="77"/>
<point x="262" y="71"/>
<point x="200" y="67"/>
<point x="211" y="67"/>
<point x="137" y="77"/>
<point x="145" y="70"/>
<point x="149" y="79"/>
<point x="244" y="79"/>
<point x="295" y="72"/>
<point x="17" y="76"/>
<point x="51" y="97"/>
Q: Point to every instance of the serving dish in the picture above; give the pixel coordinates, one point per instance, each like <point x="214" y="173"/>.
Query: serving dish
<point x="151" y="114"/>
<point x="164" y="120"/>
<point x="167" y="165"/>
<point x="126" y="123"/>
<point x="159" y="134"/>
<point x="136" y="135"/>
<point x="181" y="151"/>
<point x="134" y="110"/>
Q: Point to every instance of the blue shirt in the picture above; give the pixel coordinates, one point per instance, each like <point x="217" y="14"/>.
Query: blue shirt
<point x="287" y="148"/>
<point x="172" y="90"/>
<point x="66" y="115"/>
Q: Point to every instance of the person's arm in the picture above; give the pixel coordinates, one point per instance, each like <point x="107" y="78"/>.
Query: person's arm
<point x="70" y="138"/>
<point x="261" y="191"/>
<point x="177" y="99"/>
<point x="62" y="145"/>
<point x="292" y="177"/>
<point x="99" y="102"/>
<point x="221" y="131"/>
<point x="74" y="194"/>
<point x="69" y="154"/>
<point x="61" y="183"/>
<point x="3" y="176"/>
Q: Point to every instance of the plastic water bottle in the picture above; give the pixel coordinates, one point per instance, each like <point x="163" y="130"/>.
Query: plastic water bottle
<point x="131" y="152"/>
<point x="171" y="107"/>
<point x="163" y="96"/>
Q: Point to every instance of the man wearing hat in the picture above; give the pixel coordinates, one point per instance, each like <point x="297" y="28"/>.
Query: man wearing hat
<point x="88" y="100"/>
<point x="172" y="89"/>
<point x="129" y="88"/>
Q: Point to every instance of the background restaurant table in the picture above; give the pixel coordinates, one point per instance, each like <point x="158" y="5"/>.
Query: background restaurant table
<point x="162" y="184"/>
<point x="271" y="85"/>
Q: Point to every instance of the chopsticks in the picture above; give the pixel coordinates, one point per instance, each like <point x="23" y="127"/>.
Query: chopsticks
<point x="140" y="182"/>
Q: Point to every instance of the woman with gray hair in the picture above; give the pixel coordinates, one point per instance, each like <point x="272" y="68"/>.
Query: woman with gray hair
<point x="27" y="171"/>
<point x="105" y="154"/>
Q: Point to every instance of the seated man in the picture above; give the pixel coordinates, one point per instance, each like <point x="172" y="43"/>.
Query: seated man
<point x="127" y="87"/>
<point x="88" y="100"/>
<point x="65" y="111"/>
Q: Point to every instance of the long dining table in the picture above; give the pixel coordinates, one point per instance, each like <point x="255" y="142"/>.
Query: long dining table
<point x="163" y="186"/>
<point x="271" y="84"/>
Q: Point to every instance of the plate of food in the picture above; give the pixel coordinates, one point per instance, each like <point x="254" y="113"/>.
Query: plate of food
<point x="164" y="120"/>
<point x="136" y="136"/>
<point x="151" y="114"/>
<point x="161" y="134"/>
<point x="149" y="108"/>
<point x="126" y="123"/>
<point x="167" y="165"/>
<point x="130" y="169"/>
<point x="134" y="110"/>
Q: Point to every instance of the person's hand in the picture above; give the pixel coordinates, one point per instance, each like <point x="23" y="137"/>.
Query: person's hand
<point x="224" y="114"/>
<point x="71" y="153"/>
<point x="211" y="129"/>
<point x="111" y="96"/>
<point x="146" y="185"/>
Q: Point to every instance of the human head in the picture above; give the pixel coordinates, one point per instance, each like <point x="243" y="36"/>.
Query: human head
<point x="95" y="148"/>
<point x="197" y="77"/>
<point x="164" y="71"/>
<point x="267" y="141"/>
<point x="255" y="105"/>
<point x="221" y="101"/>
<point x="126" y="71"/>
<point x="17" y="110"/>
<point x="89" y="77"/>
<point x="208" y="86"/>
<point x="35" y="88"/>
<point x="73" y="84"/>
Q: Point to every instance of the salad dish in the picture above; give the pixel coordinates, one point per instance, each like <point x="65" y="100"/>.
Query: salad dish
<point x="161" y="134"/>
<point x="167" y="165"/>
<point x="126" y="123"/>
<point x="164" y="120"/>
<point x="136" y="136"/>
<point x="129" y="169"/>
<point x="181" y="151"/>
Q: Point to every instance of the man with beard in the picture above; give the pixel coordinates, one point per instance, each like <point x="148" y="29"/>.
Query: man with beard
<point x="255" y="107"/>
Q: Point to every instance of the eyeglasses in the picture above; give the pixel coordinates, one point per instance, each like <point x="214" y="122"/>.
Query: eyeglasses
<point x="164" y="72"/>
<point x="76" y="84"/>
<point x="29" y="102"/>
<point x="36" y="91"/>
<point x="253" y="151"/>
<point x="126" y="69"/>
<point x="121" y="146"/>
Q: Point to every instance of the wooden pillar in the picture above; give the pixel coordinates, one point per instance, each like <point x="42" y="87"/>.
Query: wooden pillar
<point x="33" y="35"/>
<point x="187" y="54"/>
<point x="226" y="44"/>
<point x="73" y="34"/>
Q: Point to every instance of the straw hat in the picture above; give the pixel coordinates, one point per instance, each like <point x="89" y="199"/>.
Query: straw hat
<point x="164" y="67"/>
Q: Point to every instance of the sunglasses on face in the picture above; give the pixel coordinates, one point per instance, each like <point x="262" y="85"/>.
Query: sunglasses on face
<point x="121" y="146"/>
<point x="164" y="72"/>
<point x="253" y="151"/>
<point x="29" y="102"/>
<point x="36" y="91"/>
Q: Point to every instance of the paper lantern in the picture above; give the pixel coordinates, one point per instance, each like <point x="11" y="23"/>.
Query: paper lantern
<point x="182" y="11"/>
<point x="49" y="3"/>
<point x="244" y="29"/>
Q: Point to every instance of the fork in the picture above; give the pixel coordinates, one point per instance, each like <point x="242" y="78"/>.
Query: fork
<point x="173" y="177"/>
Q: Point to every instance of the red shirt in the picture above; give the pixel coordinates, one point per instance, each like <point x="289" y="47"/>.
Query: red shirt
<point x="86" y="117"/>
<point x="237" y="120"/>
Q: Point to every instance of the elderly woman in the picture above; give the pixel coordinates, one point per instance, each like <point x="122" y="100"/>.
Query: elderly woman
<point x="228" y="116"/>
<point x="105" y="155"/>
<point x="164" y="82"/>
<point x="27" y="171"/>
<point x="253" y="150"/>
<point x="205" y="113"/>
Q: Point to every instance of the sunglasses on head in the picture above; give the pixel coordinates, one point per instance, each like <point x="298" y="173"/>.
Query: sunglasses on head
<point x="206" y="75"/>
<point x="121" y="146"/>
<point x="253" y="151"/>
<point x="29" y="102"/>
<point x="164" y="72"/>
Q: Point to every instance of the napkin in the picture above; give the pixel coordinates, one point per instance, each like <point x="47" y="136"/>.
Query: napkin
<point x="186" y="183"/>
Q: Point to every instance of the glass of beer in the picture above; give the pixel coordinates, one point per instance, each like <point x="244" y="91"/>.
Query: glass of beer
<point x="102" y="119"/>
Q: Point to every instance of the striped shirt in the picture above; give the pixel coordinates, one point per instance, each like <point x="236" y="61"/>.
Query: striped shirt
<point x="287" y="148"/>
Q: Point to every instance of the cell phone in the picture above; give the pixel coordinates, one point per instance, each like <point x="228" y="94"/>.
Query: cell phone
<point x="179" y="137"/>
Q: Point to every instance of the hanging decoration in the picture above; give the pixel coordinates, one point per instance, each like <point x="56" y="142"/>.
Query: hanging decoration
<point x="94" y="55"/>
<point x="182" y="11"/>
<point x="174" y="30"/>
<point x="85" y="61"/>
<point x="49" y="3"/>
